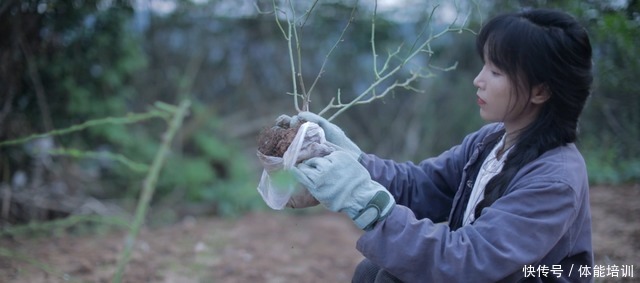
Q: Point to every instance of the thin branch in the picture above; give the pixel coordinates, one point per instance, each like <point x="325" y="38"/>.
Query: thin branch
<point x="148" y="188"/>
<point x="406" y="84"/>
<point x="275" y="12"/>
<point x="392" y="65"/>
<point x="373" y="40"/>
<point x="390" y="55"/>
<point x="293" y="38"/>
<point x="308" y="13"/>
<point x="387" y="71"/>
<point x="335" y="45"/>
<point x="423" y="31"/>
<point x="129" y="119"/>
<point x="132" y="165"/>
<point x="297" y="73"/>
<point x="293" y="69"/>
<point x="290" y="35"/>
<point x="445" y="69"/>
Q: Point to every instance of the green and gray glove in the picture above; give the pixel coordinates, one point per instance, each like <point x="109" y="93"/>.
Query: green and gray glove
<point x="333" y="133"/>
<point x="341" y="183"/>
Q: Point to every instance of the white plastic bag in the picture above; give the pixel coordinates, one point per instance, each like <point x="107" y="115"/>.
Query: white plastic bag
<point x="309" y="142"/>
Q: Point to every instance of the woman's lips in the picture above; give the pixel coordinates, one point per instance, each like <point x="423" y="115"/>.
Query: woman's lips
<point x="480" y="101"/>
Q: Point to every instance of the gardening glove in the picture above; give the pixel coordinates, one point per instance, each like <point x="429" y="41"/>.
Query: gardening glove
<point x="341" y="183"/>
<point x="333" y="133"/>
<point x="284" y="121"/>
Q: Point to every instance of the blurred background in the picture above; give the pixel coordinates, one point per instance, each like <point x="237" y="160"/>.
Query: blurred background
<point x="63" y="63"/>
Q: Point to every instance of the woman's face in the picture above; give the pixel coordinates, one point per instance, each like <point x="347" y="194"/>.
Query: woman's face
<point x="496" y="96"/>
<point x="499" y="101"/>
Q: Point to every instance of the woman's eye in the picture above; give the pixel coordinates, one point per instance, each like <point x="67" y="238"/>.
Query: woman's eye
<point x="495" y="73"/>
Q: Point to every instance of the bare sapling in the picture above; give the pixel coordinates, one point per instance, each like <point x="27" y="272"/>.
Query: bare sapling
<point x="387" y="75"/>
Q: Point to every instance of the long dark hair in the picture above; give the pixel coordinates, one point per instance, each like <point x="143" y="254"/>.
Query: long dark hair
<point x="545" y="48"/>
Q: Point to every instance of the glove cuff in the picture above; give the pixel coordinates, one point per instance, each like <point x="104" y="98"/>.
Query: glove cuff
<point x="376" y="209"/>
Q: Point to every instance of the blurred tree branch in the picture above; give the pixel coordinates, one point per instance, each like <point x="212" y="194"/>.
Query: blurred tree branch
<point x="149" y="186"/>
<point x="387" y="70"/>
<point x="161" y="110"/>
<point x="384" y="74"/>
<point x="295" y="58"/>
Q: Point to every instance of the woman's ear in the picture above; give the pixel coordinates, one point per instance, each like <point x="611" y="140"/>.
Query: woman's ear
<point x="540" y="94"/>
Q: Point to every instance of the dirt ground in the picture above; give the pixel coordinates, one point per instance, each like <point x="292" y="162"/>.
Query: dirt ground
<point x="265" y="247"/>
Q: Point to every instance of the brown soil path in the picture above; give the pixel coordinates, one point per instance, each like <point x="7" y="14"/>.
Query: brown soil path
<point x="267" y="247"/>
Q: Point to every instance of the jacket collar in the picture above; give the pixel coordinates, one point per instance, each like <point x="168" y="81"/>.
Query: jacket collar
<point x="470" y="173"/>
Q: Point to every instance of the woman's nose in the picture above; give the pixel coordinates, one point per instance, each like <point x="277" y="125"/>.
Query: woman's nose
<point x="476" y="81"/>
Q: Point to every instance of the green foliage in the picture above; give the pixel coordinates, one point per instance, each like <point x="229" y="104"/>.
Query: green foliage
<point x="606" y="166"/>
<point x="100" y="53"/>
<point x="92" y="65"/>
<point x="229" y="182"/>
<point x="188" y="173"/>
<point x="611" y="118"/>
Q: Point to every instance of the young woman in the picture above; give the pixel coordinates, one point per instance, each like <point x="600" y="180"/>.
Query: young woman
<point x="508" y="204"/>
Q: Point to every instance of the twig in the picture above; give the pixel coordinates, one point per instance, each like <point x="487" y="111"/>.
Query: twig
<point x="308" y="13"/>
<point x="387" y="70"/>
<point x="326" y="57"/>
<point x="148" y="188"/>
<point x="134" y="166"/>
<point x="129" y="119"/>
<point x="381" y="73"/>
<point x="294" y="80"/>
<point x="298" y="56"/>
<point x="373" y="40"/>
<point x="292" y="37"/>
<point x="288" y="35"/>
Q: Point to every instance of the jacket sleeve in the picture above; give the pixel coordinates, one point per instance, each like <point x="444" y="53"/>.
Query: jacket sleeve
<point x="518" y="229"/>
<point x="427" y="188"/>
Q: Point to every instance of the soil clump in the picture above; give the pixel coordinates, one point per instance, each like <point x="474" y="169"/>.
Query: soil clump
<point x="274" y="141"/>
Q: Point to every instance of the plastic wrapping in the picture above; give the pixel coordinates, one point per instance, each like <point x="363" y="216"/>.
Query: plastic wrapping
<point x="309" y="142"/>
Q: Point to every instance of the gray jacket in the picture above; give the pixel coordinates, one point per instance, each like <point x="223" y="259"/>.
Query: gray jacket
<point x="541" y="223"/>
